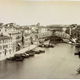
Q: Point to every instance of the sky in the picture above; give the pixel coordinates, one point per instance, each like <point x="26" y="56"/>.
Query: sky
<point x="24" y="12"/>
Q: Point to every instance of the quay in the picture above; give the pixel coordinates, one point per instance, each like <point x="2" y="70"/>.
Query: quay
<point x="23" y="49"/>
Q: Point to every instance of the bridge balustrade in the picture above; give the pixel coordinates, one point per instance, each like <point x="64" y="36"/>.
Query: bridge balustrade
<point x="62" y="35"/>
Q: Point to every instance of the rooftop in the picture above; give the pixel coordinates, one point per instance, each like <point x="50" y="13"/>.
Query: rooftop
<point x="13" y="32"/>
<point x="57" y="26"/>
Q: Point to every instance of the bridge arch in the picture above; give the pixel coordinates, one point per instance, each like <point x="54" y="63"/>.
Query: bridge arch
<point x="64" y="36"/>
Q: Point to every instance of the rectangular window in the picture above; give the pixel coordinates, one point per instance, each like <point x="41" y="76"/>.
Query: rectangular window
<point x="9" y="40"/>
<point x="9" y="45"/>
<point x="0" y="41"/>
<point x="0" y="47"/>
<point x="6" y="41"/>
<point x="10" y="51"/>
<point x="0" y="54"/>
<point x="5" y="46"/>
<point x="3" y="41"/>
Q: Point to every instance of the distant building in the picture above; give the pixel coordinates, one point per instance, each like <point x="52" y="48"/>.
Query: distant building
<point x="61" y="28"/>
<point x="42" y="29"/>
<point x="76" y="33"/>
<point x="44" y="32"/>
<point x="55" y="27"/>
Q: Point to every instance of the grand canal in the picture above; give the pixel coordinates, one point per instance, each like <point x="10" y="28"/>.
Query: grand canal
<point x="56" y="63"/>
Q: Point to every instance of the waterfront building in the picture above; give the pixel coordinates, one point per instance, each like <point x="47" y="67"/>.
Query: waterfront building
<point x="26" y="39"/>
<point x="11" y="31"/>
<point x="5" y="45"/>
<point x="76" y="33"/>
<point x="34" y="38"/>
<point x="14" y="31"/>
<point x="10" y="27"/>
<point x="16" y="39"/>
<point x="30" y="35"/>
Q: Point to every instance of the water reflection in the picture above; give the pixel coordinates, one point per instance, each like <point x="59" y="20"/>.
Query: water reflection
<point x="24" y="69"/>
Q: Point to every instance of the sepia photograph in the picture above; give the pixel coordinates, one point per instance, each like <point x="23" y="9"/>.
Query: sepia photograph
<point x="39" y="39"/>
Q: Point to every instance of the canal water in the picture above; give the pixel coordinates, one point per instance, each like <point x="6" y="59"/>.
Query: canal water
<point x="40" y="66"/>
